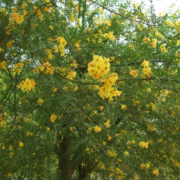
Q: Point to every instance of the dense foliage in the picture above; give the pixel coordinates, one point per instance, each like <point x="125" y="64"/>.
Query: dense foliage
<point x="88" y="89"/>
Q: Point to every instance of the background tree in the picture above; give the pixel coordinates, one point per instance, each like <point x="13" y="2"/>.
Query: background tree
<point x="89" y="89"/>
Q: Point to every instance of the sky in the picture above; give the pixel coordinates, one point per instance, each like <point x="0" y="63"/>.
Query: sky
<point x="162" y="5"/>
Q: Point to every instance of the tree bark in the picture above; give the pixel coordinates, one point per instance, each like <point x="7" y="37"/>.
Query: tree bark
<point x="64" y="169"/>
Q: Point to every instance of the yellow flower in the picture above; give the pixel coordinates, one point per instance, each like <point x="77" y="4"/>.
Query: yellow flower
<point x="156" y="172"/>
<point x="104" y="143"/>
<point x="14" y="16"/>
<point x="149" y="90"/>
<point x="143" y="144"/>
<point x="41" y="68"/>
<point x="97" y="129"/>
<point x="123" y="106"/>
<point x="3" y="64"/>
<point x="10" y="148"/>
<point x="178" y="42"/>
<point x="101" y="107"/>
<point x="53" y="118"/>
<point x="107" y="123"/>
<point x="133" y="73"/>
<point x="71" y="128"/>
<point x="51" y="27"/>
<point x="142" y="166"/>
<point x="171" y="24"/>
<point x="146" y="40"/>
<point x="133" y="141"/>
<point x="147" y="166"/>
<point x="21" y="144"/>
<point x="178" y="23"/>
<point x="40" y="101"/>
<point x="47" y="128"/>
<point x="89" y="130"/>
<point x="1" y="50"/>
<point x="146" y="70"/>
<point x="9" y="44"/>
<point x="20" y="19"/>
<point x="109" y="138"/>
<point x="126" y="153"/>
<point x="145" y="63"/>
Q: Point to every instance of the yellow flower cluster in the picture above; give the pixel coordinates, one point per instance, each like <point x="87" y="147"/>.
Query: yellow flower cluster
<point x="3" y="64"/>
<point x="111" y="153"/>
<point x="27" y="85"/>
<point x="163" y="49"/>
<point x="48" y="70"/>
<point x="146" y="40"/>
<point x="143" y="144"/>
<point x="50" y="56"/>
<point x="40" y="101"/>
<point x="21" y="144"/>
<point x="16" y="17"/>
<point x="98" y="67"/>
<point x="142" y="166"/>
<point x="159" y="34"/>
<point x="101" y="165"/>
<point x="126" y="153"/>
<point x="108" y="91"/>
<point x="134" y="73"/>
<point x="109" y="36"/>
<point x="47" y="129"/>
<point x="97" y="129"/>
<point x="107" y="124"/>
<point x="178" y="42"/>
<point x="76" y="45"/>
<point x="123" y="106"/>
<point x="19" y="67"/>
<point x="29" y="133"/>
<point x="156" y="172"/>
<point x="150" y="128"/>
<point x="154" y="42"/>
<point x="146" y="69"/>
<point x="71" y="74"/>
<point x="9" y="44"/>
<point x="1" y="50"/>
<point x="53" y="118"/>
<point x="60" y="48"/>
<point x="72" y="18"/>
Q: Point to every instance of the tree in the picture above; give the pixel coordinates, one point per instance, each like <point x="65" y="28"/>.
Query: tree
<point x="89" y="89"/>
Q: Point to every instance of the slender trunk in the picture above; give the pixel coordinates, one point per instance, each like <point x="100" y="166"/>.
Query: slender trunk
<point x="64" y="169"/>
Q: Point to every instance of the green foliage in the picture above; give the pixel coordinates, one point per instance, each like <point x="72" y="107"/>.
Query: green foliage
<point x="57" y="121"/>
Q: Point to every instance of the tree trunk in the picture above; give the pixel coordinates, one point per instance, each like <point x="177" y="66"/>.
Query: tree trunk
<point x="64" y="169"/>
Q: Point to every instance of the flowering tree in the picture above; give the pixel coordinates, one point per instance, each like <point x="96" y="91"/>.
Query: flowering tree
<point x="89" y="89"/>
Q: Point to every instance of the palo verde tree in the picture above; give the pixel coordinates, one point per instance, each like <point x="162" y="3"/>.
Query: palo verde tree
<point x="89" y="90"/>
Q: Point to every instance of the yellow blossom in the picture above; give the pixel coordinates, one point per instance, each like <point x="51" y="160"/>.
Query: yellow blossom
<point x="40" y="101"/>
<point x="21" y="144"/>
<point x="20" y="19"/>
<point x="133" y="73"/>
<point x="101" y="107"/>
<point x="10" y="148"/>
<point x="9" y="44"/>
<point x="53" y="118"/>
<point x="126" y="153"/>
<point x="156" y="172"/>
<point x="97" y="129"/>
<point x="47" y="128"/>
<point x="145" y="63"/>
<point x="104" y="143"/>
